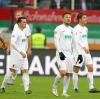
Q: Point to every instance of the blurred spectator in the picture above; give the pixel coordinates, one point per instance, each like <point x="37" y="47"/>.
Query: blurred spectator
<point x="84" y="4"/>
<point x="41" y="3"/>
<point x="60" y="4"/>
<point x="15" y="16"/>
<point x="14" y="2"/>
<point x="3" y="3"/>
<point x="96" y="4"/>
<point x="19" y="13"/>
<point x="21" y="3"/>
<point x="38" y="39"/>
<point x="29" y="2"/>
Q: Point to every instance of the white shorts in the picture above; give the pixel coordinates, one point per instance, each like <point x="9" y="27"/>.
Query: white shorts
<point x="86" y="60"/>
<point x="66" y="64"/>
<point x="18" y="62"/>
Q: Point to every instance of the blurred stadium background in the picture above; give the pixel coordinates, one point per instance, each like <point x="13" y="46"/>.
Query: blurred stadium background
<point x="42" y="64"/>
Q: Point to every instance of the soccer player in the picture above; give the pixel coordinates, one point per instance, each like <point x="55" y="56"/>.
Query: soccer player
<point x="63" y="35"/>
<point x="26" y="29"/>
<point x="18" y="55"/>
<point x="82" y="50"/>
<point x="28" y="34"/>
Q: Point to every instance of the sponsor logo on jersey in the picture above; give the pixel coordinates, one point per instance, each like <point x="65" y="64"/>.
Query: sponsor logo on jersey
<point x="68" y="36"/>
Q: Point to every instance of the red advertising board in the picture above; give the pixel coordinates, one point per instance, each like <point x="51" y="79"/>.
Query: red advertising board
<point x="48" y="16"/>
<point x="5" y="13"/>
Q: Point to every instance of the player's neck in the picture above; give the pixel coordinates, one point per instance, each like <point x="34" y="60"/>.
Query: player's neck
<point x="20" y="27"/>
<point x="66" y="24"/>
<point x="81" y="24"/>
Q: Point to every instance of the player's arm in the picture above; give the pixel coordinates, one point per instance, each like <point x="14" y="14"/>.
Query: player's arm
<point x="57" y="37"/>
<point x="74" y="45"/>
<point x="29" y="51"/>
<point x="14" y="38"/>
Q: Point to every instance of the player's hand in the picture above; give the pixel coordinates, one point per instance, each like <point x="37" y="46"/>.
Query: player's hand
<point x="79" y="59"/>
<point x="23" y="54"/>
<point x="29" y="52"/>
<point x="86" y="50"/>
<point x="62" y="56"/>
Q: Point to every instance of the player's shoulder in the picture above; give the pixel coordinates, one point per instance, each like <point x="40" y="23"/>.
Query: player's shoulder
<point x="16" y="25"/>
<point x="71" y="28"/>
<point x="15" y="29"/>
<point x="76" y="26"/>
<point x="27" y="26"/>
<point x="59" y="27"/>
<point x="85" y="28"/>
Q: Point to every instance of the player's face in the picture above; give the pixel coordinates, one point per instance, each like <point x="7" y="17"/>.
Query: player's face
<point x="84" y="19"/>
<point x="23" y="23"/>
<point x="18" y="14"/>
<point x="67" y="19"/>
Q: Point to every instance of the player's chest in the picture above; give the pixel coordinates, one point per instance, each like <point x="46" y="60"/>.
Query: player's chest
<point x="83" y="33"/>
<point x="66" y="34"/>
<point x="22" y="37"/>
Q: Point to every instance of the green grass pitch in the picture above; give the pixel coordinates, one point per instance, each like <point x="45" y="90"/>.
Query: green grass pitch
<point x="41" y="89"/>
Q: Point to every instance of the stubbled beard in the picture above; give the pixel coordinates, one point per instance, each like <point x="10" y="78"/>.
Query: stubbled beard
<point x="67" y="23"/>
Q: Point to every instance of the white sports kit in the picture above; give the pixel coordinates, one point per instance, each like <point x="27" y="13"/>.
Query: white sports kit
<point x="19" y="40"/>
<point x="63" y="40"/>
<point x="82" y="41"/>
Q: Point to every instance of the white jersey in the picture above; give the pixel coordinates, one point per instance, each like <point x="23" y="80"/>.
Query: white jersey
<point x="63" y="39"/>
<point x="19" y="43"/>
<point x="19" y="40"/>
<point x="80" y="36"/>
<point x="26" y="30"/>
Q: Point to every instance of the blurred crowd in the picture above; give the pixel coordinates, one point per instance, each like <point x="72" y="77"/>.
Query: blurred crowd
<point x="53" y="4"/>
<point x="78" y="4"/>
<point x="15" y="3"/>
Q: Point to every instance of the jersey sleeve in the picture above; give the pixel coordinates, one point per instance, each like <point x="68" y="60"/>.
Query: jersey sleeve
<point x="57" y="39"/>
<point x="15" y="26"/>
<point x="28" y="30"/>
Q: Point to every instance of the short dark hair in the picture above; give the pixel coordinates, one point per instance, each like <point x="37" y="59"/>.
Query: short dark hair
<point x="38" y="29"/>
<point x="20" y="19"/>
<point x="80" y="15"/>
<point x="65" y="14"/>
